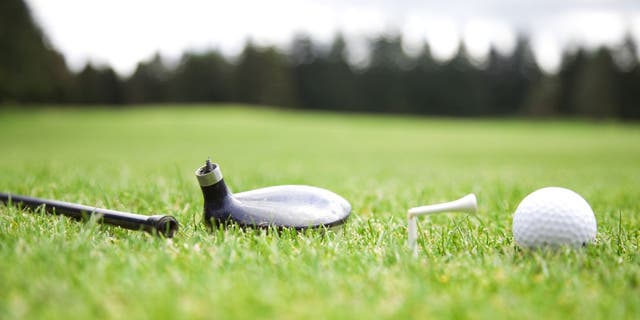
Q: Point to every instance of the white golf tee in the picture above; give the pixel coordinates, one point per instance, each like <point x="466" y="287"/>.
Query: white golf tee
<point x="466" y="204"/>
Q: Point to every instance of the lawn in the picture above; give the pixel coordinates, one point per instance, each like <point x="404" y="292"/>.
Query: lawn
<point x="142" y="160"/>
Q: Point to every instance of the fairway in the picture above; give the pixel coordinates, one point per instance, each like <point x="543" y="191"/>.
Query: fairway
<point x="143" y="160"/>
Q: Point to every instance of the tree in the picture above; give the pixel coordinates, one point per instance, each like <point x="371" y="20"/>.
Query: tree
<point x="98" y="86"/>
<point x="421" y="83"/>
<point x="323" y="79"/>
<point x="112" y="87"/>
<point x="629" y="80"/>
<point x="570" y="70"/>
<point x="382" y="82"/>
<point x="30" y="70"/>
<point x="149" y="82"/>
<point x="595" y="91"/>
<point x="307" y="86"/>
<point x="203" y="78"/>
<point x="511" y="78"/>
<point x="460" y="88"/>
<point x="340" y="79"/>
<point x="303" y="50"/>
<point x="543" y="97"/>
<point x="263" y="76"/>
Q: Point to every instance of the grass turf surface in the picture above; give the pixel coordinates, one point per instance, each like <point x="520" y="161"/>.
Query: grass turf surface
<point x="142" y="160"/>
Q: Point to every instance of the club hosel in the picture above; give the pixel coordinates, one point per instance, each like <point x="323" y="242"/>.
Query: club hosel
<point x="209" y="174"/>
<point x="217" y="198"/>
<point x="216" y="195"/>
<point x="214" y="189"/>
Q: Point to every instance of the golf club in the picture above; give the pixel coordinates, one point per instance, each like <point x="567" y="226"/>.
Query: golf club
<point x="290" y="206"/>
<point x="158" y="224"/>
<point x="466" y="204"/>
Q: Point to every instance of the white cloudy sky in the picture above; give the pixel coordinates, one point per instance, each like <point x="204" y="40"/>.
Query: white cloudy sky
<point x="123" y="32"/>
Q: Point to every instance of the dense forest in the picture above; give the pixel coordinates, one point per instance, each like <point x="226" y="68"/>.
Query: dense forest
<point x="602" y="83"/>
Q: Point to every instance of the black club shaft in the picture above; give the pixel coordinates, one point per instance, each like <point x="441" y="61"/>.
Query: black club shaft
<point x="163" y="225"/>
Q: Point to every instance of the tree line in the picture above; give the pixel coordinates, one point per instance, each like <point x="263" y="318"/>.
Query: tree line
<point x="602" y="83"/>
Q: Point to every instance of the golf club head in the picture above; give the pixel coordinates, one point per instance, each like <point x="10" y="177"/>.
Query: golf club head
<point x="288" y="206"/>
<point x="466" y="204"/>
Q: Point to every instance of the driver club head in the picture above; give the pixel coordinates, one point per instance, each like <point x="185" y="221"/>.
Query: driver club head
<point x="288" y="206"/>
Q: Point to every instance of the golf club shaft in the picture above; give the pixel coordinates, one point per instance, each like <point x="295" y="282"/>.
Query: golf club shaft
<point x="160" y="224"/>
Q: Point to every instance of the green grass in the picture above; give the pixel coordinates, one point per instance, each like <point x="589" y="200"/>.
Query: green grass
<point x="142" y="160"/>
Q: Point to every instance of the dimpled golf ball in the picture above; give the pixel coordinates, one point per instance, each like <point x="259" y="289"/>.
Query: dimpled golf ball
<point x="553" y="217"/>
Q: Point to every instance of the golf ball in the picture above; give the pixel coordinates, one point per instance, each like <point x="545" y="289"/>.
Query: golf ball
<point x="553" y="217"/>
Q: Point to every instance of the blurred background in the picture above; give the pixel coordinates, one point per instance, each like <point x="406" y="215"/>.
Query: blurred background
<point x="492" y="58"/>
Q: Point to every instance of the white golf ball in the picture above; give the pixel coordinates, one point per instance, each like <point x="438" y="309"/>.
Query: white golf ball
<point x="553" y="217"/>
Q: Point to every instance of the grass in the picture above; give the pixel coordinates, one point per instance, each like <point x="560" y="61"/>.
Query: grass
<point x="142" y="160"/>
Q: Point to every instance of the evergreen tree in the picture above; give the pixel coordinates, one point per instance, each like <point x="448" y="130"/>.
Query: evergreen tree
<point x="543" y="97"/>
<point x="460" y="88"/>
<point x="307" y="86"/>
<point x="629" y="80"/>
<point x="382" y="82"/>
<point x="595" y="90"/>
<point x="421" y="83"/>
<point x="203" y="78"/>
<point x="570" y="70"/>
<point x="149" y="82"/>
<point x="510" y="78"/>
<point x="98" y="86"/>
<point x="112" y="87"/>
<point x="30" y="70"/>
<point x="263" y="76"/>
<point x="602" y="84"/>
<point x="338" y="82"/>
<point x="323" y="79"/>
<point x="303" y="50"/>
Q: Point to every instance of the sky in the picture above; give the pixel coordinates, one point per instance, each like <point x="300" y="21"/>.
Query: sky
<point x="121" y="33"/>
